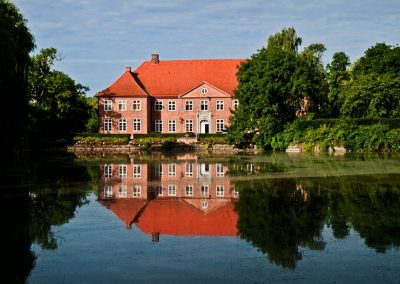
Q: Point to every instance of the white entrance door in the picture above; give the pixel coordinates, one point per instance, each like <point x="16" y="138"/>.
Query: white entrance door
<point x="204" y="127"/>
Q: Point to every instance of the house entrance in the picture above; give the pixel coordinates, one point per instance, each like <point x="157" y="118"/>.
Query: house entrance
<point x="204" y="127"/>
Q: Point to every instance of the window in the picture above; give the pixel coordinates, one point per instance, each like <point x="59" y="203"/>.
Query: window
<point x="123" y="191"/>
<point x="171" y="125"/>
<point x="189" y="169"/>
<point x="158" y="106"/>
<point x="136" y="191"/>
<point x="158" y="125"/>
<point x="108" y="191"/>
<point x="220" y="170"/>
<point x="220" y="105"/>
<point x="172" y="190"/>
<point x="122" y="125"/>
<point x="189" y="190"/>
<point x="204" y="190"/>
<point x="220" y="125"/>
<point x="204" y="91"/>
<point x="235" y="104"/>
<point x="107" y="124"/>
<point x="220" y="190"/>
<point x="171" y="170"/>
<point x="108" y="105"/>
<point x="189" y="125"/>
<point x="204" y="169"/>
<point x="204" y="204"/>
<point x="136" y="105"/>
<point x="107" y="171"/>
<point x="171" y="106"/>
<point x="157" y="190"/>
<point x="122" y="105"/>
<point x="236" y="192"/>
<point x="189" y="105"/>
<point x="122" y="171"/>
<point x="136" y="124"/>
<point x="137" y="171"/>
<point x="158" y="170"/>
<point x="204" y="105"/>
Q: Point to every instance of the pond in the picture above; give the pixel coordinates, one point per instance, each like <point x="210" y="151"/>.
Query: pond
<point x="199" y="218"/>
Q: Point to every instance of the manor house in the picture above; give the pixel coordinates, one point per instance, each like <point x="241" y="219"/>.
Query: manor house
<point x="170" y="96"/>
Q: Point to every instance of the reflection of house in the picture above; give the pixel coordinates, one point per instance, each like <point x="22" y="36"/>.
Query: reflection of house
<point x="177" y="198"/>
<point x="170" y="96"/>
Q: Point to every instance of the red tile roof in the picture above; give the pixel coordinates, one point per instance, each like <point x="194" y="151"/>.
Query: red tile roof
<point x="126" y="209"/>
<point x="126" y="85"/>
<point x="176" y="77"/>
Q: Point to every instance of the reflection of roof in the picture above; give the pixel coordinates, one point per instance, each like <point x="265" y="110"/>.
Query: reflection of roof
<point x="177" y="217"/>
<point x="126" y="209"/>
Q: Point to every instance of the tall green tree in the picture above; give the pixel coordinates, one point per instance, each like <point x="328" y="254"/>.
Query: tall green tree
<point x="272" y="87"/>
<point x="58" y="103"/>
<point x="379" y="59"/>
<point x="337" y="74"/>
<point x="15" y="45"/>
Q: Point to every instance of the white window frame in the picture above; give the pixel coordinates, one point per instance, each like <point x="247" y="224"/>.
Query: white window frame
<point x="171" y="105"/>
<point x="235" y="104"/>
<point x="123" y="191"/>
<point x="219" y="191"/>
<point x="136" y="191"/>
<point x="136" y="105"/>
<point x="158" y="105"/>
<point x="122" y="125"/>
<point x="189" y="190"/>
<point x="188" y="105"/>
<point x="171" y="170"/>
<point x="220" y="125"/>
<point x="158" y="170"/>
<point x="205" y="190"/>
<point x="204" y="105"/>
<point x="189" y="125"/>
<point x="107" y="124"/>
<point x="122" y="170"/>
<point x="136" y="124"/>
<point x="189" y="169"/>
<point x="158" y="125"/>
<point x="220" y="170"/>
<point x="171" y="190"/>
<point x="108" y="192"/>
<point x="204" y="204"/>
<point x="108" y="171"/>
<point x="108" y="105"/>
<point x="137" y="171"/>
<point x="220" y="105"/>
<point x="172" y="126"/>
<point x="122" y="105"/>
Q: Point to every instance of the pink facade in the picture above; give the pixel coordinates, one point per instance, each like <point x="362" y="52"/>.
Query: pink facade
<point x="197" y="97"/>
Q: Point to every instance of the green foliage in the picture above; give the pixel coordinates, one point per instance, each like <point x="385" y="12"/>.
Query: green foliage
<point x="58" y="103"/>
<point x="272" y="87"/>
<point x="371" y="96"/>
<point x="360" y="135"/>
<point x="379" y="59"/>
<point x="92" y="124"/>
<point x="97" y="138"/>
<point x="213" y="139"/>
<point x="16" y="44"/>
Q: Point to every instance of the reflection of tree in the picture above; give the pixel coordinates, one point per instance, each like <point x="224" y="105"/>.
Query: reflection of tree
<point x="42" y="195"/>
<point x="278" y="219"/>
<point x="373" y="208"/>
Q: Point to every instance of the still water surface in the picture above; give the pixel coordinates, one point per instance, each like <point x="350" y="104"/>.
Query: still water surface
<point x="202" y="219"/>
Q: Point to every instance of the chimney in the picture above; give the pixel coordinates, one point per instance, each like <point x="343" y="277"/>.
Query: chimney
<point x="128" y="69"/>
<point x="155" y="59"/>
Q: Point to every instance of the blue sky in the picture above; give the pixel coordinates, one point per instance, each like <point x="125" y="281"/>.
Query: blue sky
<point x="98" y="38"/>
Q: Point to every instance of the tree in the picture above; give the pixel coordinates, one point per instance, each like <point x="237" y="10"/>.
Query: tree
<point x="58" y="103"/>
<point x="15" y="44"/>
<point x="272" y="87"/>
<point x="379" y="59"/>
<point x="92" y="124"/>
<point x="371" y="95"/>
